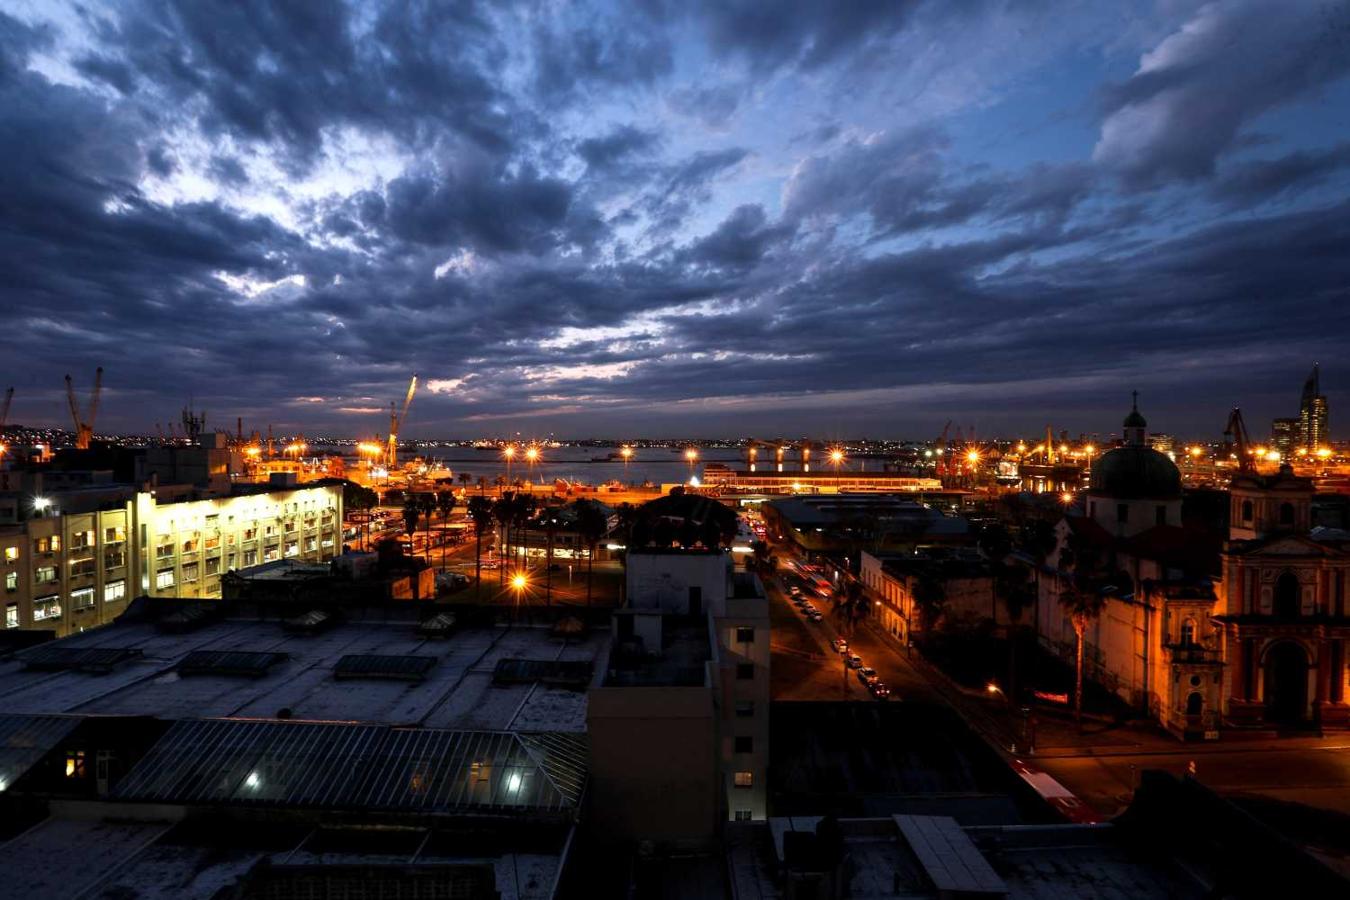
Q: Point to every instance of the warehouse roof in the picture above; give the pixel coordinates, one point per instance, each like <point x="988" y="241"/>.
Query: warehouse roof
<point x="254" y="668"/>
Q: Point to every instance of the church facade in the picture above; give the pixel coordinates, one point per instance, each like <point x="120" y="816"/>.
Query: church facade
<point x="1199" y="632"/>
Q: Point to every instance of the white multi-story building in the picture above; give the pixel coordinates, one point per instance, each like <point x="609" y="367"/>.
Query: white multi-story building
<point x="72" y="567"/>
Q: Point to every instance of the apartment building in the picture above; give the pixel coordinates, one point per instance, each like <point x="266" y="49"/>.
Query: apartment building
<point x="82" y="554"/>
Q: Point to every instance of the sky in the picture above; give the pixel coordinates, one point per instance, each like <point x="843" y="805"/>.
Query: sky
<point x="683" y="218"/>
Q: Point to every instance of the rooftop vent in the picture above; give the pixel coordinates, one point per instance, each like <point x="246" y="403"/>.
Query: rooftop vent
<point x="312" y="622"/>
<point x="229" y="662"/>
<point x="97" y="660"/>
<point x="398" y="668"/>
<point x="438" y="626"/>
<point x="571" y="674"/>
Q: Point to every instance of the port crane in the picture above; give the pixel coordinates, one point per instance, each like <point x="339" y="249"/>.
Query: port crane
<point x="84" y="425"/>
<point x="396" y="420"/>
<point x="1235" y="437"/>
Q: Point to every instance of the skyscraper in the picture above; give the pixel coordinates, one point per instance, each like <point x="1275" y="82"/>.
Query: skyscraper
<point x="1312" y="413"/>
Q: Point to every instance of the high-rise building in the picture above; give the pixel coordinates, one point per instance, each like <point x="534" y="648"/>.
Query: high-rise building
<point x="1312" y="413"/>
<point x="1284" y="436"/>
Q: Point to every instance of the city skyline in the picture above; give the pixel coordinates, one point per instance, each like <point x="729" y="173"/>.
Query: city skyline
<point x="676" y="220"/>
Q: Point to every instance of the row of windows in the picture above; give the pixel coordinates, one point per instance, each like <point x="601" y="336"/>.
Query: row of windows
<point x="49" y="607"/>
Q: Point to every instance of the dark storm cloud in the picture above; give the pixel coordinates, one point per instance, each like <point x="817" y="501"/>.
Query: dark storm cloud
<point x="1249" y="183"/>
<point x="539" y="209"/>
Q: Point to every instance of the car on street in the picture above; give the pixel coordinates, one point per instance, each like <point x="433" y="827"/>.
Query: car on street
<point x="840" y="645"/>
<point x="854" y="661"/>
<point x="879" y="690"/>
<point x="795" y="591"/>
<point x="867" y="675"/>
<point x="815" y="616"/>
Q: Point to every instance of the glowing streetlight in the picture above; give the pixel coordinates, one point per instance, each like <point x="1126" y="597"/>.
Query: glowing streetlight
<point x="973" y="458"/>
<point x="1323" y="452"/>
<point x="627" y="453"/>
<point x="509" y="451"/>
<point x="531" y="457"/>
<point x="1066" y="498"/>
<point x="519" y="582"/>
<point x="41" y="504"/>
<point x="836" y="459"/>
<point x="691" y="455"/>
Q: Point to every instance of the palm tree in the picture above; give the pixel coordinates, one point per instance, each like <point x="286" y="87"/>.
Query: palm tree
<point x="480" y="511"/>
<point x="482" y="485"/>
<point x="412" y="511"/>
<point x="428" y="510"/>
<point x="523" y="507"/>
<point x="592" y="523"/>
<point x="503" y="510"/>
<point x="1083" y="602"/>
<point x="445" y="504"/>
<point x="1011" y="586"/>
<point x="465" y="479"/>
<point x="1082" y="606"/>
<point x="550" y="530"/>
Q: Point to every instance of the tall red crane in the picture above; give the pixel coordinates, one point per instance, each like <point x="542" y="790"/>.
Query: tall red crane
<point x="84" y="425"/>
<point x="396" y="419"/>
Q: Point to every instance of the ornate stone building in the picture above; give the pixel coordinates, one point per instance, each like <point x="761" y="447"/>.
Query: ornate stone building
<point x="1154" y="643"/>
<point x="1284" y="614"/>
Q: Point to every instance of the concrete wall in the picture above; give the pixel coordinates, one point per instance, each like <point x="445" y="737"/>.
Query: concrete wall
<point x="663" y="580"/>
<point x="654" y="767"/>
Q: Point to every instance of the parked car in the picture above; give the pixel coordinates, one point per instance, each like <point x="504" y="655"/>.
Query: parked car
<point x="879" y="690"/>
<point x="867" y="675"/>
<point x="795" y="591"/>
<point x="854" y="661"/>
<point x="815" y="616"/>
<point x="840" y="645"/>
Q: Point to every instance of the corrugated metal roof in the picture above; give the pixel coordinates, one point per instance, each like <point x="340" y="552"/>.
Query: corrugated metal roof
<point x="341" y="766"/>
<point x="26" y="739"/>
<point x="371" y="665"/>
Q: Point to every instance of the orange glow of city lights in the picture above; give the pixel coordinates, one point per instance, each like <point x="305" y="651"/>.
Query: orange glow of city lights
<point x="532" y="454"/>
<point x="1066" y="497"/>
<point x="836" y="456"/>
<point x="1323" y="452"/>
<point x="1195" y="451"/>
<point x="626" y="453"/>
<point x="510" y="451"/>
<point x="973" y="457"/>
<point x="691" y="454"/>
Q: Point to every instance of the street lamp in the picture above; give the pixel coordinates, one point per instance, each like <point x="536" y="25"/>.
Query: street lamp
<point x="836" y="459"/>
<point x="531" y="457"/>
<point x="691" y="455"/>
<point x="510" y="454"/>
<point x="627" y="453"/>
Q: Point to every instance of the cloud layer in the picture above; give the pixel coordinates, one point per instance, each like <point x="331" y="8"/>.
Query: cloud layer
<point x="656" y="218"/>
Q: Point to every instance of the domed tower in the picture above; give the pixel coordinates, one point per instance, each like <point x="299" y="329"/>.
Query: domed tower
<point x="1134" y="487"/>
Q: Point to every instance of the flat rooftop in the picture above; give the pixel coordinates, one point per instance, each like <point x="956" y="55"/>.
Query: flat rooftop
<point x="681" y="660"/>
<point x="456" y="690"/>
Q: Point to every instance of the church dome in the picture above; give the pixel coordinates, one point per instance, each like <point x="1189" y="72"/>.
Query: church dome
<point x="1136" y="473"/>
<point x="1135" y="420"/>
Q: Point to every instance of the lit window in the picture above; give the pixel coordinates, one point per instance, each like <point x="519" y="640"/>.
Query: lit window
<point x="12" y="615"/>
<point x="116" y="590"/>
<point x="45" y="574"/>
<point x="114" y="534"/>
<point x="45" y="608"/>
<point x="82" y="598"/>
<point x="164" y="579"/>
<point x="75" y="764"/>
<point x="11" y="554"/>
<point x="11" y="581"/>
<point x="745" y="779"/>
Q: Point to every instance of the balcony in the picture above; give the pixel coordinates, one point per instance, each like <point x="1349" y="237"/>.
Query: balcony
<point x="1191" y="653"/>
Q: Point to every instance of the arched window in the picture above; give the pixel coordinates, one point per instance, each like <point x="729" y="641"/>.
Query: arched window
<point x="1287" y="599"/>
<point x="1188" y="632"/>
<point x="1286" y="514"/>
<point x="1246" y="510"/>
